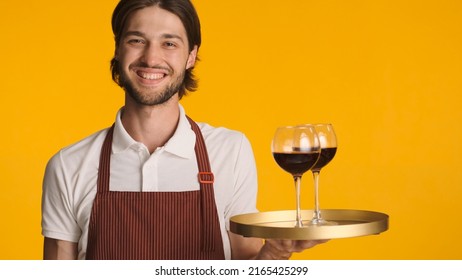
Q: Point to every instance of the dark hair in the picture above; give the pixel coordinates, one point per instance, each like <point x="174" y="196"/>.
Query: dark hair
<point x="183" y="9"/>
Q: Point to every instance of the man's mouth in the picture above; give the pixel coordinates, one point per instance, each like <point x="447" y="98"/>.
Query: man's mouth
<point x="150" y="76"/>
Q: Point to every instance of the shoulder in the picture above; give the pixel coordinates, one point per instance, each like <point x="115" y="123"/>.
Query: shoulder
<point x="229" y="144"/>
<point x="222" y="136"/>
<point x="76" y="153"/>
<point x="220" y="133"/>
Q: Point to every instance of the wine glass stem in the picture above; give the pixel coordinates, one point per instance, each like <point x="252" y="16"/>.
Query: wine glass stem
<point x="317" y="211"/>
<point x="297" y="180"/>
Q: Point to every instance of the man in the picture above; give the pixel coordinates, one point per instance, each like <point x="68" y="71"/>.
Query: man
<point x="155" y="185"/>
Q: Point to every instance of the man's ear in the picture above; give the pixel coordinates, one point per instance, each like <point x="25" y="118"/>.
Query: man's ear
<point x="192" y="58"/>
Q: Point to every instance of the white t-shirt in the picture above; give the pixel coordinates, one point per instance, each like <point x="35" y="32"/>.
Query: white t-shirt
<point x="69" y="186"/>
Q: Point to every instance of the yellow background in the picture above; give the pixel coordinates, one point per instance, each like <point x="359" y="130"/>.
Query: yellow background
<point x="387" y="74"/>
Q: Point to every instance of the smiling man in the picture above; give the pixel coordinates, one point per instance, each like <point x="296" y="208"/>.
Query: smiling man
<point x="155" y="185"/>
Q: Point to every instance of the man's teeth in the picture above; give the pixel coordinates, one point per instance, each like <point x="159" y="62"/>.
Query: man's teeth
<point x="150" y="76"/>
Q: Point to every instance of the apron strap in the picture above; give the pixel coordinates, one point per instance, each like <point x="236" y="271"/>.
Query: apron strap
<point x="206" y="179"/>
<point x="105" y="163"/>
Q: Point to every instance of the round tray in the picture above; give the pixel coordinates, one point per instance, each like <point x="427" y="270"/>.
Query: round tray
<point x="280" y="224"/>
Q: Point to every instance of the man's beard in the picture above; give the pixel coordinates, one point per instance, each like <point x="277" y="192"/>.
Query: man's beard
<point x="147" y="99"/>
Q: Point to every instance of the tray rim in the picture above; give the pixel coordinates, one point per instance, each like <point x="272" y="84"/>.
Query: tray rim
<point x="368" y="223"/>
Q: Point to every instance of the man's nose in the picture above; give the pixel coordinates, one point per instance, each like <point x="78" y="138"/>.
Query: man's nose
<point x="152" y="55"/>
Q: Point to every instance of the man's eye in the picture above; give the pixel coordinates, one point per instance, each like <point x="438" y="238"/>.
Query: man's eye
<point x="135" y="41"/>
<point x="170" y="44"/>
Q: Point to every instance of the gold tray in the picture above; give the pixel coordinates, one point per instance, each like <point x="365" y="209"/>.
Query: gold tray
<point x="280" y="224"/>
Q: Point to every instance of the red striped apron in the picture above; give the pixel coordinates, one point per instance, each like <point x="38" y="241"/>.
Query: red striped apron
<point x="155" y="225"/>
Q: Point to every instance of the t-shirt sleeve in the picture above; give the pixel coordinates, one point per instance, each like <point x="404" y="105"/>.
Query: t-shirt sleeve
<point x="58" y="215"/>
<point x="245" y="183"/>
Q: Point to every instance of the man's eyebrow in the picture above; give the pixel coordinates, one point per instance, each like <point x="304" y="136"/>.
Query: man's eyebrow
<point x="164" y="36"/>
<point x="133" y="33"/>
<point x="172" y="36"/>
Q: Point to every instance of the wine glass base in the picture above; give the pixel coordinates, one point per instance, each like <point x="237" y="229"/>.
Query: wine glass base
<point x="299" y="224"/>
<point x="321" y="222"/>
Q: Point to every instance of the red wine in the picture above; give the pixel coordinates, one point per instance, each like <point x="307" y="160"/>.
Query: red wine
<point x="327" y="154"/>
<point x="296" y="163"/>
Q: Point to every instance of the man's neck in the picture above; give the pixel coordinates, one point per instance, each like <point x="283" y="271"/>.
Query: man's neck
<point x="151" y="125"/>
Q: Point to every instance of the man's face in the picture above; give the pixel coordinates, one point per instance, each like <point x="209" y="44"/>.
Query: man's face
<point x="153" y="55"/>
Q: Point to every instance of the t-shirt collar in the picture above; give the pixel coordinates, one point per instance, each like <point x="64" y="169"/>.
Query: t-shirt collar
<point x="181" y="143"/>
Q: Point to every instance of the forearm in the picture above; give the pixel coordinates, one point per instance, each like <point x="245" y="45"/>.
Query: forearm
<point x="54" y="249"/>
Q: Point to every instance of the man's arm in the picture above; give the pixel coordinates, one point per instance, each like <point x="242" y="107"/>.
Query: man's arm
<point x="54" y="249"/>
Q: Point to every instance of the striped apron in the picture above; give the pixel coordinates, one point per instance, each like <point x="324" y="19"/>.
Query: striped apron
<point x="155" y="225"/>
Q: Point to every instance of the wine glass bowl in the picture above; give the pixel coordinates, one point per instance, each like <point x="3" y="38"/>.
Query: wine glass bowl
<point x="296" y="149"/>
<point x="328" y="142"/>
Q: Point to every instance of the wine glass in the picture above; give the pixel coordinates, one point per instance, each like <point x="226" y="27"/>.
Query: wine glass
<point x="296" y="150"/>
<point x="328" y="142"/>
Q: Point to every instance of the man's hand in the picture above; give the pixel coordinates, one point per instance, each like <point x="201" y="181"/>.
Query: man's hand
<point x="283" y="249"/>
